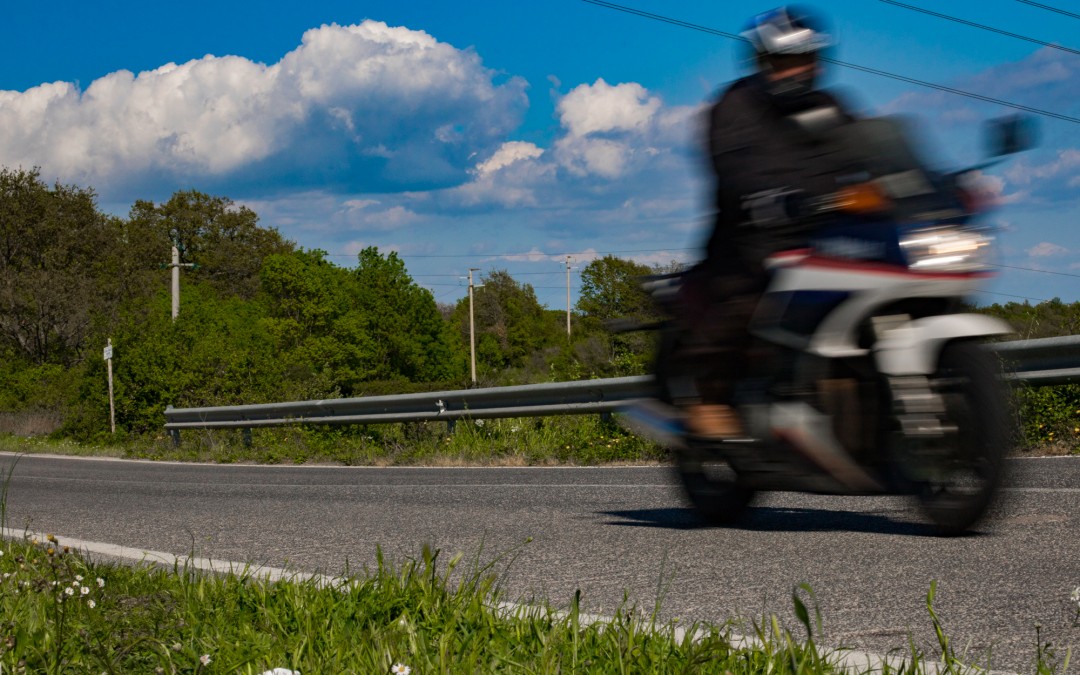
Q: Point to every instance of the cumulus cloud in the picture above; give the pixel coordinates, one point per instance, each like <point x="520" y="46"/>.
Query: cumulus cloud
<point x="369" y="107"/>
<point x="601" y="107"/>
<point x="611" y="130"/>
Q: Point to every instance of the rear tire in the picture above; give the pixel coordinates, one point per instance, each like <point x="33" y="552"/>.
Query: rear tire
<point x="711" y="485"/>
<point x="962" y="476"/>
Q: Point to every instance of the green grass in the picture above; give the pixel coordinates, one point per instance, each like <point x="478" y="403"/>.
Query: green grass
<point x="62" y="613"/>
<point x="582" y="440"/>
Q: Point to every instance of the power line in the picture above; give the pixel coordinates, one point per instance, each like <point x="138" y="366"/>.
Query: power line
<point x="1010" y="295"/>
<point x="845" y="64"/>
<point x="979" y="25"/>
<point x="1032" y="269"/>
<point x="526" y="254"/>
<point x="1048" y="7"/>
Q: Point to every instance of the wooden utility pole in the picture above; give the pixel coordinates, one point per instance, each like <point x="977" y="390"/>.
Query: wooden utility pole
<point x="472" y="328"/>
<point x="568" y="297"/>
<point x="112" y="408"/>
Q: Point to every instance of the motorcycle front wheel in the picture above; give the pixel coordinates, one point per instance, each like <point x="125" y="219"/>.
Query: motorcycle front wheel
<point x="962" y="473"/>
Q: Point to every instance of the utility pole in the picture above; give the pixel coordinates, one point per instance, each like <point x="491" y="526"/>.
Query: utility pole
<point x="112" y="408"/>
<point x="472" y="327"/>
<point x="567" y="297"/>
<point x="176" y="265"/>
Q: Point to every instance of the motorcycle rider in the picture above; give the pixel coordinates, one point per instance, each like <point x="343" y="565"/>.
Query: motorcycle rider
<point x="767" y="159"/>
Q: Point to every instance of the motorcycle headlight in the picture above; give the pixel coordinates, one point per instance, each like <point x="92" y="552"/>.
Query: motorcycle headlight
<point x="946" y="249"/>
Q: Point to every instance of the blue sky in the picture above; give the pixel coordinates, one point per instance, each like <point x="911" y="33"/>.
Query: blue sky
<point x="504" y="135"/>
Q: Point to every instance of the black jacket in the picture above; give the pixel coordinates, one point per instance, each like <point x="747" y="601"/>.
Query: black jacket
<point x="756" y="144"/>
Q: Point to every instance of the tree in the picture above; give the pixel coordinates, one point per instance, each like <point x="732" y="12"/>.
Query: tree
<point x="411" y="337"/>
<point x="225" y="241"/>
<point x="611" y="290"/>
<point x="513" y="330"/>
<point x="56" y="254"/>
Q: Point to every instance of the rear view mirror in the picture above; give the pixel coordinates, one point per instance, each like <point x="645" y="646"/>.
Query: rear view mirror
<point x="1010" y="135"/>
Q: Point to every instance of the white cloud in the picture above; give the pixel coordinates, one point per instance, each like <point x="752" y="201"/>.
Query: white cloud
<point x="614" y="130"/>
<point x="1025" y="173"/>
<point x="601" y="107"/>
<point x="363" y="218"/>
<point x="1046" y="249"/>
<point x="367" y="105"/>
<point x="507" y="154"/>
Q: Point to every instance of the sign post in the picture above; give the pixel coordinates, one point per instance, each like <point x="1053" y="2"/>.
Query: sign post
<point x="112" y="408"/>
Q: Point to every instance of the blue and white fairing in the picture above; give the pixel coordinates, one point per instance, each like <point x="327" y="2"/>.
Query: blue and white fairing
<point x="820" y="296"/>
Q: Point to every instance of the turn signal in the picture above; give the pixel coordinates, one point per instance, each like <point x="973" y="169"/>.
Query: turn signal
<point x="862" y="198"/>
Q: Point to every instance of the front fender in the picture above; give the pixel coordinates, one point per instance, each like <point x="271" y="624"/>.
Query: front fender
<point x="913" y="348"/>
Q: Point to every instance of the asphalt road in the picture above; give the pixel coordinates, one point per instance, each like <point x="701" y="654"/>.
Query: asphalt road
<point x="607" y="531"/>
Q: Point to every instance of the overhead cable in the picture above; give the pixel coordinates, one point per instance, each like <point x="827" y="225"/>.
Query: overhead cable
<point x="981" y="26"/>
<point x="845" y="64"/>
<point x="1048" y="7"/>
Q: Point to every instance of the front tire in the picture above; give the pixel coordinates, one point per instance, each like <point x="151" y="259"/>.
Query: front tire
<point x="961" y="476"/>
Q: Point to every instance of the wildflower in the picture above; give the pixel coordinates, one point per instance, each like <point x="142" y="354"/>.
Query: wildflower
<point x="91" y="604"/>
<point x="50" y="538"/>
<point x="69" y="591"/>
<point x="74" y="584"/>
<point x="100" y="582"/>
<point x="400" y="669"/>
<point x="280" y="671"/>
<point x="176" y="647"/>
<point x="84" y="591"/>
<point x="1076" y="595"/>
<point x="51" y="551"/>
<point x="78" y="577"/>
<point x="204" y="659"/>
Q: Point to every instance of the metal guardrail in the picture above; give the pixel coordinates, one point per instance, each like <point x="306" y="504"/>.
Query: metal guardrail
<point x="1040" y="362"/>
<point x="554" y="398"/>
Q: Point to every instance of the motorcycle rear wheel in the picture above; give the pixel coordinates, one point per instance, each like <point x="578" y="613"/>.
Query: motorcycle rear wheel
<point x="711" y="485"/>
<point x="964" y="474"/>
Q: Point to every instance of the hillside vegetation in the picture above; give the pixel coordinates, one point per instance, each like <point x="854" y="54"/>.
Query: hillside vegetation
<point x="263" y="320"/>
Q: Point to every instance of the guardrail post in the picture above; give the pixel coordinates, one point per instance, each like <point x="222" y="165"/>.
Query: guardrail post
<point x="450" y="426"/>
<point x="175" y="434"/>
<point x="247" y="437"/>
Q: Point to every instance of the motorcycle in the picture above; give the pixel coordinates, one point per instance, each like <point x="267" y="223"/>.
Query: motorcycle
<point x="868" y="375"/>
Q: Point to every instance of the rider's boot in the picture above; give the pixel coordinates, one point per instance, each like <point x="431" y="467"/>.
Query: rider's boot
<point x="713" y="421"/>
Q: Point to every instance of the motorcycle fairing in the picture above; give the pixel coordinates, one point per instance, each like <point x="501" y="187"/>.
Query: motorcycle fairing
<point x="912" y="348"/>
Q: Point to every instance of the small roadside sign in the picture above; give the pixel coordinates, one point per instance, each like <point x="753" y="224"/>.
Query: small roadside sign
<point x="108" y="352"/>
